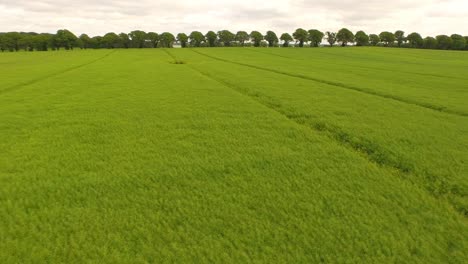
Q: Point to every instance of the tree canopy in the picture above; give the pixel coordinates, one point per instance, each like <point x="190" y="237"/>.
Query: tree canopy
<point x="331" y="38"/>
<point x="415" y="40"/>
<point x="430" y="43"/>
<point x="458" y="42"/>
<point x="374" y="39"/>
<point x="137" y="38"/>
<point x="125" y="39"/>
<point x="197" y="38"/>
<point x="64" y="38"/>
<point x="301" y="36"/>
<point x="443" y="42"/>
<point x="183" y="39"/>
<point x="226" y="37"/>
<point x="345" y="36"/>
<point x="256" y="37"/>
<point x="315" y="37"/>
<point x="400" y="37"/>
<point x="211" y="37"/>
<point x="271" y="38"/>
<point x="153" y="38"/>
<point x="362" y="39"/>
<point x="286" y="38"/>
<point x="166" y="40"/>
<point x="387" y="38"/>
<point x="242" y="37"/>
<point x="111" y="40"/>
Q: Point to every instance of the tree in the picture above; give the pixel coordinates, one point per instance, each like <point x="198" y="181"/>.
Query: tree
<point x="96" y="42"/>
<point x="111" y="40"/>
<point x="183" y="39"/>
<point x="137" y="38"/>
<point x="430" y="43"/>
<point x="362" y="39"/>
<point x="387" y="38"/>
<point x="315" y="37"/>
<point x="458" y="42"/>
<point x="400" y="37"/>
<point x="242" y="37"/>
<point x="166" y="40"/>
<point x="331" y="38"/>
<point x="26" y="41"/>
<point x="345" y="36"/>
<point x="64" y="38"/>
<point x="271" y="38"/>
<point x="443" y="42"/>
<point x="153" y="39"/>
<point x="374" y="39"/>
<point x="3" y="45"/>
<point x="256" y="37"/>
<point x="85" y="41"/>
<point x="125" y="40"/>
<point x="226" y="37"/>
<point x="2" y="42"/>
<point x="301" y="35"/>
<point x="415" y="40"/>
<point x="212" y="38"/>
<point x="286" y="38"/>
<point x="196" y="38"/>
<point x="466" y="40"/>
<point x="41" y="42"/>
<point x="11" y="41"/>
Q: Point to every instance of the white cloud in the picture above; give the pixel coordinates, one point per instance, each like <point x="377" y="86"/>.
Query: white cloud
<point x="429" y="17"/>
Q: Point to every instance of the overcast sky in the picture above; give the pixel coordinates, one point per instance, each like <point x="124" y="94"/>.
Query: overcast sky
<point x="96" y="17"/>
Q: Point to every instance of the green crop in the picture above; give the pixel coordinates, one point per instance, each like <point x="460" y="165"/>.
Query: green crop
<point x="231" y="155"/>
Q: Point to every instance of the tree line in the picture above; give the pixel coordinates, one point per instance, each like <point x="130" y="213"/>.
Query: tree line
<point x="30" y="41"/>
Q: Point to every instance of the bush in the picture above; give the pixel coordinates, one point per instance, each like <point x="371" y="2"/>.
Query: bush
<point x="179" y="62"/>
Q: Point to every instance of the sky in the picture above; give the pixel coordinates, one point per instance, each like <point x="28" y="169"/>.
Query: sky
<point x="97" y="17"/>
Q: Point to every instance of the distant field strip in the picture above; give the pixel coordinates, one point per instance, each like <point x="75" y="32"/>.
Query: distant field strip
<point x="442" y="180"/>
<point x="341" y="85"/>
<point x="373" y="154"/>
<point x="272" y="54"/>
<point x="437" y="185"/>
<point x="53" y="74"/>
<point x="357" y="66"/>
<point x="372" y="151"/>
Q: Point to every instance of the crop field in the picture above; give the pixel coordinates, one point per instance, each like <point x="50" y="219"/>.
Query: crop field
<point x="233" y="155"/>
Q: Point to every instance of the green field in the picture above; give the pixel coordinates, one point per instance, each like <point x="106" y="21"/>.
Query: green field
<point x="232" y="155"/>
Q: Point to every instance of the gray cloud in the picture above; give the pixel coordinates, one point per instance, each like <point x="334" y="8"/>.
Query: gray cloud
<point x="429" y="17"/>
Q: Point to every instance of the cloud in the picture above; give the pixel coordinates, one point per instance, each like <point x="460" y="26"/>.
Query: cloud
<point x="429" y="17"/>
